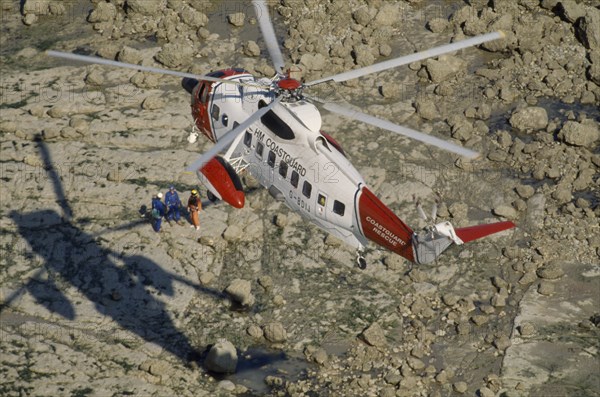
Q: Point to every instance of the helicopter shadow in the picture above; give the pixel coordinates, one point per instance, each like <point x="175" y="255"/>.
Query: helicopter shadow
<point x="125" y="288"/>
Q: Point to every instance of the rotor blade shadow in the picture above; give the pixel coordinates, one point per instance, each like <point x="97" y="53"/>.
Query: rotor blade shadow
<point x="128" y="294"/>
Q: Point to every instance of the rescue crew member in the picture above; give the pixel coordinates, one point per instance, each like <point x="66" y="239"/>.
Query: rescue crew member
<point x="158" y="211"/>
<point x="173" y="205"/>
<point x="194" y="206"/>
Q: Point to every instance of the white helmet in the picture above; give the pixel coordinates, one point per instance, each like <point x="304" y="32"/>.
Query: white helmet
<point x="159" y="195"/>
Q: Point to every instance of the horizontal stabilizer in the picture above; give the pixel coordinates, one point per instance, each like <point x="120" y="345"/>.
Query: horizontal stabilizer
<point x="471" y="233"/>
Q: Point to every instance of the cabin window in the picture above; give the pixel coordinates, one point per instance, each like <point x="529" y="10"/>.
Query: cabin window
<point x="321" y="200"/>
<point x="247" y="138"/>
<point x="235" y="124"/>
<point x="283" y="169"/>
<point x="295" y="178"/>
<point x="215" y="112"/>
<point x="271" y="159"/>
<point x="225" y="120"/>
<point x="306" y="189"/>
<point x="259" y="149"/>
<point x="339" y="208"/>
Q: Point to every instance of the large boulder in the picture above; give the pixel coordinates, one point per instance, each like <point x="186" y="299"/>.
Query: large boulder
<point x="222" y="357"/>
<point x="443" y="68"/>
<point x="145" y="7"/>
<point x="275" y="332"/>
<point x="588" y="29"/>
<point x="580" y="134"/>
<point x="175" y="54"/>
<point x="103" y="12"/>
<point x="240" y="291"/>
<point x="529" y="118"/>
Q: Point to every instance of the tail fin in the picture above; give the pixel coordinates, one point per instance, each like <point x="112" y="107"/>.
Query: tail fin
<point x="379" y="224"/>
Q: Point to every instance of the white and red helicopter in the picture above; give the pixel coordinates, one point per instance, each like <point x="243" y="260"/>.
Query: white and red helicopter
<point x="271" y="130"/>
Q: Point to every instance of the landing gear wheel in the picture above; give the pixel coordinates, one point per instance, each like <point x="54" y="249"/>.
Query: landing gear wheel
<point x="211" y="196"/>
<point x="361" y="262"/>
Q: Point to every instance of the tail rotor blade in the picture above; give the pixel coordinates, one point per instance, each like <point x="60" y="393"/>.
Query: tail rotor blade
<point x="434" y="210"/>
<point x="266" y="27"/>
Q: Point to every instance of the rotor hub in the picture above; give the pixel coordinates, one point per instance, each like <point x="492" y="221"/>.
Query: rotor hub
<point x="288" y="84"/>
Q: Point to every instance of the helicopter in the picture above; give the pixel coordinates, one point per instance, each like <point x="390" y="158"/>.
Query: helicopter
<point x="269" y="128"/>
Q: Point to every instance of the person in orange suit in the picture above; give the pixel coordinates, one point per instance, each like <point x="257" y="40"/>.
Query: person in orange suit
<point x="194" y="206"/>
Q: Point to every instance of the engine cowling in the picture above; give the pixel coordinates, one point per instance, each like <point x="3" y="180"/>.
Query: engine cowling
<point x="221" y="179"/>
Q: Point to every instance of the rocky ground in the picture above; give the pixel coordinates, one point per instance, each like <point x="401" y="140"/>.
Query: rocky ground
<point x="95" y="303"/>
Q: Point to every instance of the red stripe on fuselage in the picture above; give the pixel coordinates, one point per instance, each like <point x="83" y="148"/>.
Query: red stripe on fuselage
<point x="380" y="225"/>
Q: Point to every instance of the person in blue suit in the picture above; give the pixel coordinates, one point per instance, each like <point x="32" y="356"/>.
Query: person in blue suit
<point x="173" y="205"/>
<point x="158" y="211"/>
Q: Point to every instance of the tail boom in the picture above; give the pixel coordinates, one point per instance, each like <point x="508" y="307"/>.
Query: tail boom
<point x="380" y="225"/>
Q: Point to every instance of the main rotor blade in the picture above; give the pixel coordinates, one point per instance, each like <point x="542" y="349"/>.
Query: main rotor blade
<point x="387" y="125"/>
<point x="404" y="60"/>
<point x="266" y="27"/>
<point x="230" y="137"/>
<point x="102" y="61"/>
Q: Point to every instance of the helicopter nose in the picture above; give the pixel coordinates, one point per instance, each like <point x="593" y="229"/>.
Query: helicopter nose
<point x="188" y="84"/>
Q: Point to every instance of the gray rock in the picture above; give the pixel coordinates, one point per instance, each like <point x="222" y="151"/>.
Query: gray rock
<point x="30" y="19"/>
<point x="529" y="118"/>
<point x="241" y="292"/>
<point x="313" y="61"/>
<point x="527" y="278"/>
<point x="129" y="55"/>
<point x="502" y="343"/>
<point x="236" y="19"/>
<point x="36" y="7"/>
<point x="563" y="194"/>
<point x="545" y="288"/>
<point x="589" y="29"/>
<point x="437" y="25"/>
<point x="175" y="54"/>
<point x="255" y="331"/>
<point x="193" y="17"/>
<point x="551" y="271"/>
<point x="275" y="332"/>
<point x="232" y="233"/>
<point x="363" y="16"/>
<point x="385" y="50"/>
<point x="145" y="7"/>
<point x="580" y="134"/>
<point x="426" y="108"/>
<point x="485" y="392"/>
<point x="94" y="77"/>
<point x="525" y="191"/>
<point x="445" y="67"/>
<point x="153" y="102"/>
<point x="479" y="319"/>
<point x="103" y="12"/>
<point x="388" y="14"/>
<point x="222" y="357"/>
<point x="374" y="335"/>
<point x="415" y="363"/>
<point x="570" y="10"/>
<point x="227" y="385"/>
<point x="363" y="55"/>
<point x="526" y="329"/>
<point x="460" y="387"/>
<point x="505" y="211"/>
<point x="251" y="49"/>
